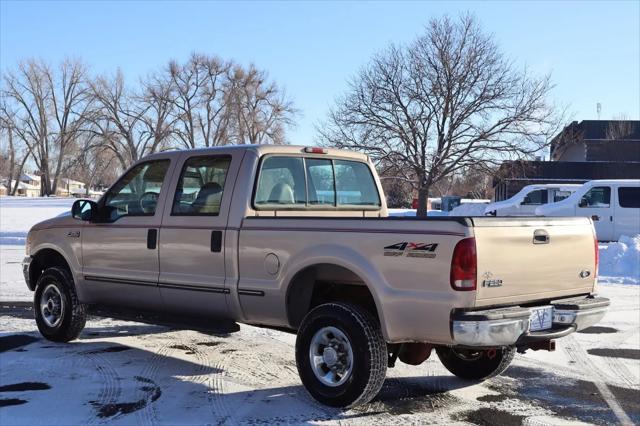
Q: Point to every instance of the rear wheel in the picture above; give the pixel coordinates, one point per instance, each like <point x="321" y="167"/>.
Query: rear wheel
<point x="341" y="355"/>
<point x="473" y="364"/>
<point x="60" y="317"/>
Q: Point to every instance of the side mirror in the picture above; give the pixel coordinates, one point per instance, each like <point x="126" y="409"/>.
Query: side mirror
<point x="583" y="202"/>
<point x="84" y="210"/>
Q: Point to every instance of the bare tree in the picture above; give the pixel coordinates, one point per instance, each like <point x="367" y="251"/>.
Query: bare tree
<point x="49" y="110"/>
<point x="118" y="118"/>
<point x="447" y="101"/>
<point x="621" y="128"/>
<point x="261" y="111"/>
<point x="201" y="93"/>
<point x="218" y="102"/>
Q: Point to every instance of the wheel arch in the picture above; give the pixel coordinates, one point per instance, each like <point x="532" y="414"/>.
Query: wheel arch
<point x="329" y="280"/>
<point x="44" y="258"/>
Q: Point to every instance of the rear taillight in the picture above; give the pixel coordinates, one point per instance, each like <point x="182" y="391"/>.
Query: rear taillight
<point x="464" y="265"/>
<point x="596" y="254"/>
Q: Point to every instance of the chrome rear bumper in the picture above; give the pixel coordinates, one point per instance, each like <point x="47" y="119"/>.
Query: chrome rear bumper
<point x="511" y="325"/>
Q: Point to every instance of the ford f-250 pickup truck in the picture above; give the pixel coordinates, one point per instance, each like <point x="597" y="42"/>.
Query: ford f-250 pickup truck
<point x="299" y="238"/>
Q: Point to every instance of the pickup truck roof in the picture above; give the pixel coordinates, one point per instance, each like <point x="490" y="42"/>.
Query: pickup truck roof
<point x="261" y="150"/>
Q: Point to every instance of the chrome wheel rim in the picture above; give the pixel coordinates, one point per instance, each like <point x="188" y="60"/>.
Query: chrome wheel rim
<point x="331" y="356"/>
<point x="51" y="305"/>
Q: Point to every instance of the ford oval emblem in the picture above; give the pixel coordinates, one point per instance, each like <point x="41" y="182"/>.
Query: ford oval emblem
<point x="585" y="273"/>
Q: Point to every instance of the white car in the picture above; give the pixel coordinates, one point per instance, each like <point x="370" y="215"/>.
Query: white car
<point x="525" y="202"/>
<point x="613" y="205"/>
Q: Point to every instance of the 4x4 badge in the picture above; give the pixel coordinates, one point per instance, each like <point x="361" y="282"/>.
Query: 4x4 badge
<point x="412" y="249"/>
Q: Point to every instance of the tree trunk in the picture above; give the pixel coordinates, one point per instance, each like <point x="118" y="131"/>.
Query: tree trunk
<point x="19" y="174"/>
<point x="12" y="161"/>
<point x="423" y="199"/>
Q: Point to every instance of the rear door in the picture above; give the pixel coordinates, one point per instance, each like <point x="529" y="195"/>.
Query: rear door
<point x="627" y="212"/>
<point x="528" y="259"/>
<point x="192" y="266"/>
<point x="597" y="203"/>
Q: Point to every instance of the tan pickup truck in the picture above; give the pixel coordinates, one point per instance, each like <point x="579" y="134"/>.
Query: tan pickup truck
<point x="299" y="238"/>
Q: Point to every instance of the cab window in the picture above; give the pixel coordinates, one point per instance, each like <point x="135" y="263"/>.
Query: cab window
<point x="596" y="197"/>
<point x="559" y="195"/>
<point x="201" y="185"/>
<point x="308" y="183"/>
<point x="355" y="184"/>
<point x="137" y="192"/>
<point x="535" y="198"/>
<point x="281" y="183"/>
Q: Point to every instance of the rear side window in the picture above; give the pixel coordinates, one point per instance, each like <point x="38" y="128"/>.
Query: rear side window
<point x="200" y="188"/>
<point x="299" y="183"/>
<point x="597" y="197"/>
<point x="629" y="197"/>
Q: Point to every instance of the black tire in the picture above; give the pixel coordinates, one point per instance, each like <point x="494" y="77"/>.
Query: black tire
<point x="476" y="364"/>
<point x="72" y="314"/>
<point x="368" y="349"/>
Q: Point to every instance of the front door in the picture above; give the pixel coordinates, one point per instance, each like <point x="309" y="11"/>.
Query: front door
<point x="120" y="249"/>
<point x="597" y="205"/>
<point x="192" y="251"/>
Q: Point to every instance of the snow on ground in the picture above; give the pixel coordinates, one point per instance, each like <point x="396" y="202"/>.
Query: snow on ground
<point x="125" y="372"/>
<point x="18" y="214"/>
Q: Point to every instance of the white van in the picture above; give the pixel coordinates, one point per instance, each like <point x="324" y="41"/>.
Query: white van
<point x="614" y="206"/>
<point x="525" y="202"/>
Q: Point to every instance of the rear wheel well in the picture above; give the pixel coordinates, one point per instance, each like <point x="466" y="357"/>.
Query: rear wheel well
<point x="324" y="283"/>
<point x="43" y="259"/>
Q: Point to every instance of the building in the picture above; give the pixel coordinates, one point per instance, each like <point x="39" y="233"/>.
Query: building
<point x="70" y="188"/>
<point x="597" y="140"/>
<point x="24" y="189"/>
<point x="590" y="149"/>
<point x="29" y="186"/>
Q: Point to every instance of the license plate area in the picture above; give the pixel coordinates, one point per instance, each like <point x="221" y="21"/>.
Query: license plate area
<point x="541" y="318"/>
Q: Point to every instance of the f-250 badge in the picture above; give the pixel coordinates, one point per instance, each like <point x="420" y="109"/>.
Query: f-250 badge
<point x="422" y="250"/>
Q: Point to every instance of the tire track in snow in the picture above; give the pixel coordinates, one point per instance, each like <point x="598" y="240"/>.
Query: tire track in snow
<point x="579" y="355"/>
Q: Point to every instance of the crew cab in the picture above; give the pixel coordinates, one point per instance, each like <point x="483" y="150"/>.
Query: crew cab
<point x="299" y="238"/>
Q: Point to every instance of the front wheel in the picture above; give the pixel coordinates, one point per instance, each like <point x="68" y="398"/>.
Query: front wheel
<point x="341" y="355"/>
<point x="472" y="364"/>
<point x="59" y="315"/>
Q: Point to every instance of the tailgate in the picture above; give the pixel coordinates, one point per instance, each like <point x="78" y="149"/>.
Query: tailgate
<point x="521" y="260"/>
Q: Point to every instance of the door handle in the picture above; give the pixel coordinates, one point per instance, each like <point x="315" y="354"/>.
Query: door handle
<point x="540" y="236"/>
<point x="152" y="239"/>
<point x="595" y="217"/>
<point x="216" y="241"/>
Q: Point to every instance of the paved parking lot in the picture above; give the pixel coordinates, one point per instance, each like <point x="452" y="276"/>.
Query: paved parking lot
<point x="125" y="372"/>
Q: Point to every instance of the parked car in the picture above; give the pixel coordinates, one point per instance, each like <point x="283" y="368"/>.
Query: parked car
<point x="299" y="239"/>
<point x="613" y="205"/>
<point x="525" y="201"/>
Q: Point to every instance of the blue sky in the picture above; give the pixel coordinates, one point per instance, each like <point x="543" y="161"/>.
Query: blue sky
<point x="313" y="48"/>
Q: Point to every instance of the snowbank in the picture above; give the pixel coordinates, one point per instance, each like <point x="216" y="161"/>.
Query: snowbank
<point x="412" y="212"/>
<point x="620" y="262"/>
<point x="472" y="209"/>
